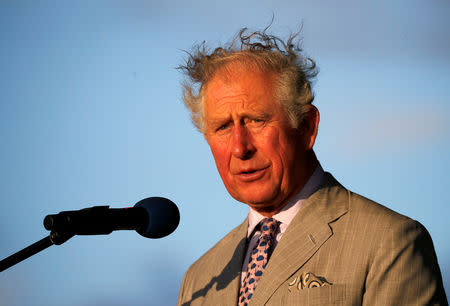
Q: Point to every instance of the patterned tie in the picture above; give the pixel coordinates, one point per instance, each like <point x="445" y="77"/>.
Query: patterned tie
<point x="258" y="260"/>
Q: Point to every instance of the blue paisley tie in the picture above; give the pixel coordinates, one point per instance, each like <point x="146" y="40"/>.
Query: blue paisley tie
<point x="258" y="260"/>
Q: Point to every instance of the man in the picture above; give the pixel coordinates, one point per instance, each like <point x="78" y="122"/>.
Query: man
<point x="307" y="240"/>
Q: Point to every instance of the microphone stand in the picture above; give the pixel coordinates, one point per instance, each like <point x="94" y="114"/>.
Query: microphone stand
<point x="153" y="217"/>
<point x="54" y="238"/>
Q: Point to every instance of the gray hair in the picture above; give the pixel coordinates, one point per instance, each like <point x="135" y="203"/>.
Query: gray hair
<point x="258" y="50"/>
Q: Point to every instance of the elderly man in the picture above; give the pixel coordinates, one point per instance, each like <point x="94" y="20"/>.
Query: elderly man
<point x="307" y="240"/>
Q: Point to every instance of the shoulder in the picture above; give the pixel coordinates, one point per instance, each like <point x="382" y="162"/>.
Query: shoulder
<point x="386" y="230"/>
<point x="372" y="231"/>
<point x="378" y="214"/>
<point x="400" y="263"/>
<point x="372" y="219"/>
<point x="215" y="269"/>
<point x="222" y="249"/>
<point x="358" y="207"/>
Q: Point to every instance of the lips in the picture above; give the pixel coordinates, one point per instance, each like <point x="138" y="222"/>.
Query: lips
<point x="250" y="175"/>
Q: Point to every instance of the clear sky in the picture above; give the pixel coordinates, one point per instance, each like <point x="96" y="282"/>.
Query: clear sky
<point x="91" y="114"/>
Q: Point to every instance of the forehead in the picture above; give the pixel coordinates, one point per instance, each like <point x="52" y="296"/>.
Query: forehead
<point x="240" y="85"/>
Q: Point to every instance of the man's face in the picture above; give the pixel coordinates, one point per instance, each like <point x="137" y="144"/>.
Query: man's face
<point x="260" y="157"/>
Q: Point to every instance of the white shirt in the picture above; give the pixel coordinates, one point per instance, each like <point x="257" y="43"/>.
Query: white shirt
<point x="284" y="216"/>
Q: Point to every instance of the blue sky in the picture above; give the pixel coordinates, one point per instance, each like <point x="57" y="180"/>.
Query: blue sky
<point x="91" y="114"/>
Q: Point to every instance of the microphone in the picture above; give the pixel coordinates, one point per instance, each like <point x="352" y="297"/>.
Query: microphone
<point x="153" y="217"/>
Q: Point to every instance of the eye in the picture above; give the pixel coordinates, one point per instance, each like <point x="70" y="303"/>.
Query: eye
<point x="257" y="122"/>
<point x="223" y="127"/>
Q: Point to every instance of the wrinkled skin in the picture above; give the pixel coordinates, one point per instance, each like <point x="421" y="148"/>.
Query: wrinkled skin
<point x="262" y="160"/>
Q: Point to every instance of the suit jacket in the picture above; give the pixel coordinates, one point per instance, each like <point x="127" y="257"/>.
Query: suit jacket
<point x="340" y="249"/>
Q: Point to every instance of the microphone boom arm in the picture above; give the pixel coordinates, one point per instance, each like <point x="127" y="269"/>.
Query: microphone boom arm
<point x="53" y="238"/>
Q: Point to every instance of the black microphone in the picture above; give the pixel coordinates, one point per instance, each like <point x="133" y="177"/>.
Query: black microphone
<point x="153" y="217"/>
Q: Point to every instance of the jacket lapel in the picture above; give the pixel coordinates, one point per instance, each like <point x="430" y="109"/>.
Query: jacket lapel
<point x="308" y="231"/>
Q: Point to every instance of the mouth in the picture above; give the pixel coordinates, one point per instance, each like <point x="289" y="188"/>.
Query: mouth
<point x="250" y="175"/>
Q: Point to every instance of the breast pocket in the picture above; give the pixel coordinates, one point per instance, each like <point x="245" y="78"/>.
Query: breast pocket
<point x="327" y="295"/>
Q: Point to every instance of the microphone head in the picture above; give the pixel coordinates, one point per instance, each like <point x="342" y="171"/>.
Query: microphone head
<point x="163" y="217"/>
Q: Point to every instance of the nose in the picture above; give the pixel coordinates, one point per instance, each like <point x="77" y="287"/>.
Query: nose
<point x="243" y="147"/>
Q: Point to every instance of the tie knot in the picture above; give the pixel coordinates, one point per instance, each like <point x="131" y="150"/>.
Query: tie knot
<point x="269" y="226"/>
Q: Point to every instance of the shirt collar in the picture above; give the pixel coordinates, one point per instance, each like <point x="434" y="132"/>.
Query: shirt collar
<point x="288" y="212"/>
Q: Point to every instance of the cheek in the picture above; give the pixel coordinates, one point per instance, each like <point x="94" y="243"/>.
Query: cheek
<point x="220" y="153"/>
<point x="278" y="147"/>
<point x="270" y="145"/>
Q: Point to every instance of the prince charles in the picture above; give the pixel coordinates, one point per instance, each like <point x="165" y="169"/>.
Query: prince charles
<point x="307" y="240"/>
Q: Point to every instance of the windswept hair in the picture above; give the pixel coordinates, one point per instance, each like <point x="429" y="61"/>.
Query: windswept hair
<point x="257" y="50"/>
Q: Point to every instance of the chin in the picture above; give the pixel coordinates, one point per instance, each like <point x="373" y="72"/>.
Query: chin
<point x="257" y="200"/>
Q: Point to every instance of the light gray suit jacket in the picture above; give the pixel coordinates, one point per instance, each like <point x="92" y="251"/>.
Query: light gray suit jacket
<point x="340" y="249"/>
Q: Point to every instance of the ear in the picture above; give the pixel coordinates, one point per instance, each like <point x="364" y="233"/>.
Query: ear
<point x="310" y="126"/>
